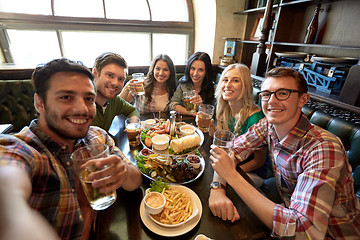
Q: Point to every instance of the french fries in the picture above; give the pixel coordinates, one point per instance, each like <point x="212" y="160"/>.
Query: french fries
<point x="178" y="207"/>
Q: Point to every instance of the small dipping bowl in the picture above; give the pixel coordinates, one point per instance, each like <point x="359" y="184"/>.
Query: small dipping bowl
<point x="160" y="142"/>
<point x="149" y="123"/>
<point x="187" y="130"/>
<point x="154" y="202"/>
<point x="193" y="160"/>
<point x="146" y="152"/>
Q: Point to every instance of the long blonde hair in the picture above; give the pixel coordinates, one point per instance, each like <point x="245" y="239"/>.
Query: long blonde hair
<point x="245" y="99"/>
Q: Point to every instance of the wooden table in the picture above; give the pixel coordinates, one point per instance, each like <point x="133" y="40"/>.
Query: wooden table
<point x="122" y="219"/>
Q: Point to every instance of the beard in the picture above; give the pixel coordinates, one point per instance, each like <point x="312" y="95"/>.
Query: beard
<point x="54" y="123"/>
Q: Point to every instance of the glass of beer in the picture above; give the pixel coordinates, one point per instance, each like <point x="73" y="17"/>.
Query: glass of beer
<point x="224" y="139"/>
<point x="139" y="83"/>
<point x="205" y="114"/>
<point x="190" y="107"/>
<point x="84" y="160"/>
<point x="133" y="129"/>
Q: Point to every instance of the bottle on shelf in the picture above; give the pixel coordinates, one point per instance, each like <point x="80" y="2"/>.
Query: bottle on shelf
<point x="313" y="26"/>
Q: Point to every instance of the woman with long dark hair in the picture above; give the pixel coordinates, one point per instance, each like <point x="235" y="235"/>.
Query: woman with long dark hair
<point x="198" y="77"/>
<point x="159" y="86"/>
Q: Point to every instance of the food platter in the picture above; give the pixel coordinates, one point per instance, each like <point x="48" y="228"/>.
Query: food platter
<point x="181" y="158"/>
<point x="291" y="54"/>
<point x="335" y="59"/>
<point x="166" y="151"/>
<point x="170" y="164"/>
<point x="173" y="231"/>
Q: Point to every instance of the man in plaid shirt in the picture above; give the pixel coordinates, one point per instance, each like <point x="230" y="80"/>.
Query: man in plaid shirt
<point x="310" y="165"/>
<point x="35" y="166"/>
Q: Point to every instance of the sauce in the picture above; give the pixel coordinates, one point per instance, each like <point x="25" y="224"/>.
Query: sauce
<point x="193" y="159"/>
<point x="154" y="200"/>
<point x="188" y="130"/>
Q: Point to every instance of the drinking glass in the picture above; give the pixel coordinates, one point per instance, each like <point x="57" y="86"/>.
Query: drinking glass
<point x="133" y="129"/>
<point x="205" y="114"/>
<point x="139" y="83"/>
<point x="190" y="107"/>
<point x="224" y="139"/>
<point x="84" y="160"/>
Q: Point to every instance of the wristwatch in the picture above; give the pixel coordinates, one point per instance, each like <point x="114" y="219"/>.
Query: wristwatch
<point x="216" y="185"/>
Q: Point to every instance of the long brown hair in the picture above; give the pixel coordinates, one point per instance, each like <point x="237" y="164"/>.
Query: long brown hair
<point x="245" y="99"/>
<point x="150" y="79"/>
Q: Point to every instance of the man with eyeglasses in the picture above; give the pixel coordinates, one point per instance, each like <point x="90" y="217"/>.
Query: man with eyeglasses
<point x="311" y="168"/>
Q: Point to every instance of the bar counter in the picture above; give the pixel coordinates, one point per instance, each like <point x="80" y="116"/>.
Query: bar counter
<point x="122" y="219"/>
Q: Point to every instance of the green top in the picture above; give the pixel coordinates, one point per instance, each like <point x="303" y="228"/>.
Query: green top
<point x="254" y="118"/>
<point x="115" y="106"/>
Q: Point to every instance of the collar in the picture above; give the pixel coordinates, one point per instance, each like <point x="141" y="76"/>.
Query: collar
<point x="54" y="147"/>
<point x="295" y="135"/>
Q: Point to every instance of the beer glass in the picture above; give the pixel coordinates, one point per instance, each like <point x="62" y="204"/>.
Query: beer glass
<point x="84" y="160"/>
<point x="139" y="83"/>
<point x="133" y="129"/>
<point x="190" y="107"/>
<point x="224" y="139"/>
<point x="205" y="114"/>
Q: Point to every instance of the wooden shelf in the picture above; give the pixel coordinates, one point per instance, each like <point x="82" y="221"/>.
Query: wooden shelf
<point x="290" y="20"/>
<point x="262" y="9"/>
<point x="295" y="2"/>
<point x="252" y="42"/>
<point x="315" y="45"/>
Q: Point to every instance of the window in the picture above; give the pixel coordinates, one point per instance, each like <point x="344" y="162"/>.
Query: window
<point x="31" y="32"/>
<point x="125" y="9"/>
<point x="79" y="8"/>
<point x="165" y="10"/>
<point x="27" y="52"/>
<point x="173" y="45"/>
<point x="89" y="45"/>
<point x="21" y="6"/>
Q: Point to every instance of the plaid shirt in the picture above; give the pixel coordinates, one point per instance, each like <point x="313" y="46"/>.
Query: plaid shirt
<point x="49" y="167"/>
<point x="314" y="179"/>
<point x="159" y="103"/>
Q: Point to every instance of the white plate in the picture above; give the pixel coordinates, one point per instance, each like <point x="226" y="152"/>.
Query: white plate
<point x="166" y="152"/>
<point x="291" y="54"/>
<point x="173" y="231"/>
<point x="202" y="166"/>
<point x="195" y="211"/>
<point x="335" y="59"/>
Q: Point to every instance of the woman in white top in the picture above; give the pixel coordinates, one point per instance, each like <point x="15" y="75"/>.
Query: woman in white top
<point x="159" y="86"/>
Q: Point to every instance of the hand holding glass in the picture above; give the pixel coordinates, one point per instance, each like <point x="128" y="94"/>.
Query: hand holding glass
<point x="84" y="160"/>
<point x="139" y="83"/>
<point x="133" y="129"/>
<point x="205" y="114"/>
<point x="224" y="139"/>
<point x="190" y="107"/>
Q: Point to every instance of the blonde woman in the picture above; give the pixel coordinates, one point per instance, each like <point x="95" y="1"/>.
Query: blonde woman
<point x="236" y="112"/>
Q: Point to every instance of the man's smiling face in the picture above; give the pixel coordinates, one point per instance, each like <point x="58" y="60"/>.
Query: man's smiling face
<point x="69" y="107"/>
<point x="110" y="80"/>
<point x="283" y="114"/>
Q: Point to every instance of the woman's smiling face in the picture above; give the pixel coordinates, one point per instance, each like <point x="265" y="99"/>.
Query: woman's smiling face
<point x="197" y="71"/>
<point x="231" y="85"/>
<point x="161" y="71"/>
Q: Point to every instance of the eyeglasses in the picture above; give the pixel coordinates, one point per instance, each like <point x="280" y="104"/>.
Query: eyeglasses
<point x="281" y="94"/>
